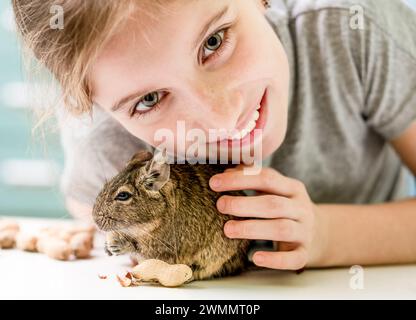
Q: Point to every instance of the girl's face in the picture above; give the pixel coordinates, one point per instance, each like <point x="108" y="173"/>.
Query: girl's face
<point x="207" y="65"/>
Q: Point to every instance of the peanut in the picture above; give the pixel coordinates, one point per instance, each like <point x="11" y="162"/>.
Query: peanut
<point x="126" y="280"/>
<point x="166" y="274"/>
<point x="81" y="229"/>
<point x="54" y="248"/>
<point x="82" y="244"/>
<point x="57" y="242"/>
<point x="7" y="239"/>
<point x="26" y="242"/>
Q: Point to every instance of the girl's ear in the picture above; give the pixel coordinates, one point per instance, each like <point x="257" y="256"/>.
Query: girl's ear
<point x="266" y="4"/>
<point x="157" y="172"/>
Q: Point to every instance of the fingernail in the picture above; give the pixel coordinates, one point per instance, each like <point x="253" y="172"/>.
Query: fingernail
<point x="229" y="229"/>
<point x="221" y="204"/>
<point x="215" y="182"/>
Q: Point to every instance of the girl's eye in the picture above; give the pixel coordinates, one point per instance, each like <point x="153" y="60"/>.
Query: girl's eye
<point x="214" y="45"/>
<point x="215" y="42"/>
<point x="147" y="103"/>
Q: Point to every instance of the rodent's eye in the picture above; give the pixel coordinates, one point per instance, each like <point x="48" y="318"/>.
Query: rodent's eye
<point x="123" y="196"/>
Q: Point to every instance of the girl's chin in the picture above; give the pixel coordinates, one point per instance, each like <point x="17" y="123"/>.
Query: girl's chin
<point x="248" y="155"/>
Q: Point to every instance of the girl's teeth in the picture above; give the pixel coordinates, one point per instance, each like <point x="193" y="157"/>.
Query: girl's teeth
<point x="237" y="136"/>
<point x="250" y="127"/>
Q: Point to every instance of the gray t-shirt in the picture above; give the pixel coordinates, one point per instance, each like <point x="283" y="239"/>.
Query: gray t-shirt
<point x="353" y="89"/>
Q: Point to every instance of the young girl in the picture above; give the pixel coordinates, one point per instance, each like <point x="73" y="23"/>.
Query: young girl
<point x="331" y="84"/>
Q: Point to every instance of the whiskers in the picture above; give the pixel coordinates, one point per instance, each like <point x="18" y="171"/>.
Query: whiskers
<point x="106" y="223"/>
<point x="146" y="229"/>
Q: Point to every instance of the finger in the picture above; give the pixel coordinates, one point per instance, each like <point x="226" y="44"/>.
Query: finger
<point x="236" y="168"/>
<point x="275" y="230"/>
<point x="291" y="260"/>
<point x="265" y="206"/>
<point x="269" y="181"/>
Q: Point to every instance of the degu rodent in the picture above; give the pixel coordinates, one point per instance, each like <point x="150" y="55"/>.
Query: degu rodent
<point x="156" y="210"/>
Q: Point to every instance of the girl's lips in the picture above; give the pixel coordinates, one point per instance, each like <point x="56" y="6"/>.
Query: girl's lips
<point x="253" y="136"/>
<point x="260" y="124"/>
<point x="247" y="117"/>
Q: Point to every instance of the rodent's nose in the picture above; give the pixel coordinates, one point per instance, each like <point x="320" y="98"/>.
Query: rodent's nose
<point x="103" y="223"/>
<point x="99" y="217"/>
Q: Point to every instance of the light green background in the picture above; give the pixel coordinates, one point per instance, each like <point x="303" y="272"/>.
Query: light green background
<point x="16" y="141"/>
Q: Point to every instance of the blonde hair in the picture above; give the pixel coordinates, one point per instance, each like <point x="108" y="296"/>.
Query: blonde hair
<point x="68" y="53"/>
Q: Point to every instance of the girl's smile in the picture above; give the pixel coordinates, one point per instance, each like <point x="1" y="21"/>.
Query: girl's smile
<point x="254" y="120"/>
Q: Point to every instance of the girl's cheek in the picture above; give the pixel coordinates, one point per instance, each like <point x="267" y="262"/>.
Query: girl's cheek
<point x="135" y="127"/>
<point x="247" y="60"/>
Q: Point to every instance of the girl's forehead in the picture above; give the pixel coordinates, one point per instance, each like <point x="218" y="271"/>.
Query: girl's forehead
<point x="148" y="26"/>
<point x="153" y="41"/>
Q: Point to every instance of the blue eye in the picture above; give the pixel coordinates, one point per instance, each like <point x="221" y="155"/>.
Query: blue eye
<point x="148" y="102"/>
<point x="215" y="41"/>
<point x="216" y="44"/>
<point x="123" y="196"/>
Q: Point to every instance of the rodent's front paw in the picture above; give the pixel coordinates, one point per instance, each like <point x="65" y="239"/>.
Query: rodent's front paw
<point x="113" y="249"/>
<point x="115" y="245"/>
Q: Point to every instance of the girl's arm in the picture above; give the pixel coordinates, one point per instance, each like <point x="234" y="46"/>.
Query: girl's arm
<point x="368" y="234"/>
<point x="373" y="234"/>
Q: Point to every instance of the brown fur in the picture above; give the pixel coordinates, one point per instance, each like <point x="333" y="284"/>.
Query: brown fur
<point x="179" y="223"/>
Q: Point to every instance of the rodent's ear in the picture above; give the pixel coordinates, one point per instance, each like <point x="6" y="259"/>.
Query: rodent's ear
<point x="157" y="172"/>
<point x="142" y="156"/>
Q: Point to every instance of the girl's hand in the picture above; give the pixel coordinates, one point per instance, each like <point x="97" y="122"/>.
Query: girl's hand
<point x="284" y="213"/>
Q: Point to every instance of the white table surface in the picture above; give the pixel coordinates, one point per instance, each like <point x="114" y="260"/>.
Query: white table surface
<point x="34" y="276"/>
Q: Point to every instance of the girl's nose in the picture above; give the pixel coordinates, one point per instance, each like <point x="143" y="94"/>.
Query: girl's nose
<point x="218" y="109"/>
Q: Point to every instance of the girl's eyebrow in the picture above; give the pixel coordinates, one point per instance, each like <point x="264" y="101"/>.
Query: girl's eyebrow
<point x="204" y="30"/>
<point x="211" y="21"/>
<point x="126" y="99"/>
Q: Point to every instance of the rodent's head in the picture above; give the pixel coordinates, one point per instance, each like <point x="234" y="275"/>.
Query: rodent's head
<point x="134" y="196"/>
